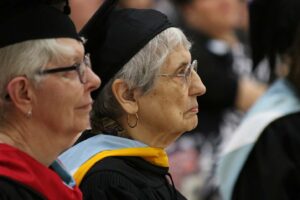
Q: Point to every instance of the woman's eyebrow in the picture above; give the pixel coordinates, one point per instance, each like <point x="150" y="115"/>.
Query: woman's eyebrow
<point x="182" y="64"/>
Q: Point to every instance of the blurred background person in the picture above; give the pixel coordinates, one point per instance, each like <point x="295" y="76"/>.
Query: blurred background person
<point x="148" y="99"/>
<point x="262" y="161"/>
<point x="138" y="4"/>
<point x="83" y="10"/>
<point x="45" y="86"/>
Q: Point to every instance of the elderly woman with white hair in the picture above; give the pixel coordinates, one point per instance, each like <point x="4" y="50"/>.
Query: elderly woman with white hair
<point x="148" y="99"/>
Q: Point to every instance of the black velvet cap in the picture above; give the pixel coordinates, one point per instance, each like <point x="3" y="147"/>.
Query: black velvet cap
<point x="273" y="26"/>
<point x="22" y="20"/>
<point x="124" y="34"/>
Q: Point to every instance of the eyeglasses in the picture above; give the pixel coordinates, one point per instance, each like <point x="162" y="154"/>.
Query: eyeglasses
<point x="79" y="67"/>
<point x="186" y="74"/>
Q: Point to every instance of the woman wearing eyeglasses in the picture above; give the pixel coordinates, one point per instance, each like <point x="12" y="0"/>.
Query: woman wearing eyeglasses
<point x="45" y="100"/>
<point x="148" y="99"/>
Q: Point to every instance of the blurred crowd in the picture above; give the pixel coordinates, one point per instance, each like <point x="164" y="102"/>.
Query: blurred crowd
<point x="219" y="31"/>
<point x="246" y="84"/>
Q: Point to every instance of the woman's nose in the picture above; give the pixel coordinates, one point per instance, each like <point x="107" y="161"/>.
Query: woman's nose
<point x="93" y="80"/>
<point x="197" y="88"/>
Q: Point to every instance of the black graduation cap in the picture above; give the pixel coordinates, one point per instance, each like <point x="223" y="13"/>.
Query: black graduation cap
<point x="273" y="26"/>
<point x="22" y="20"/>
<point x="122" y="35"/>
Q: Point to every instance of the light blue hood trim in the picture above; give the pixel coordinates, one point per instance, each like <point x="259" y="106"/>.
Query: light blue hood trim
<point x="74" y="157"/>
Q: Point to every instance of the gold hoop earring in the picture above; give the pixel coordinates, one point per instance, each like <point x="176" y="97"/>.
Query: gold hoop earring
<point x="29" y="114"/>
<point x="136" y="121"/>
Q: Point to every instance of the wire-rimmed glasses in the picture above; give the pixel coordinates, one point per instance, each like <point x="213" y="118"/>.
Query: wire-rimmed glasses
<point x="186" y="75"/>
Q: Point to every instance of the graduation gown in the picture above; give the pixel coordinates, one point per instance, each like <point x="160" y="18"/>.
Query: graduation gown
<point x="262" y="160"/>
<point x="272" y="170"/>
<point x="22" y="177"/>
<point x="109" y="167"/>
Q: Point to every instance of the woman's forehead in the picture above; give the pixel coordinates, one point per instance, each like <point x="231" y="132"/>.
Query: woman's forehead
<point x="75" y="44"/>
<point x="179" y="56"/>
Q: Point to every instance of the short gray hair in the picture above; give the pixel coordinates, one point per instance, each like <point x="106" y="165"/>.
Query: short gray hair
<point x="140" y="72"/>
<point x="25" y="58"/>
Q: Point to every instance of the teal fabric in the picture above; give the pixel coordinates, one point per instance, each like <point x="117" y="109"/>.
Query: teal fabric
<point x="63" y="174"/>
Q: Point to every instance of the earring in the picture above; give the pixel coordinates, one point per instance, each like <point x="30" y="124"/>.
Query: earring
<point x="29" y="114"/>
<point x="136" y="121"/>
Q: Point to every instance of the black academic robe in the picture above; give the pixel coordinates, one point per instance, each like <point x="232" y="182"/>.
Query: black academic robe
<point x="129" y="178"/>
<point x="12" y="190"/>
<point x="272" y="170"/>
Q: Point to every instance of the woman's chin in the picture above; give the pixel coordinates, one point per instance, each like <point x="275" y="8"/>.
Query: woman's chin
<point x="193" y="124"/>
<point x="83" y="125"/>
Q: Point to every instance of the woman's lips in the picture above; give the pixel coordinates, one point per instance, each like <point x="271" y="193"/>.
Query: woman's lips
<point x="194" y="109"/>
<point x="87" y="106"/>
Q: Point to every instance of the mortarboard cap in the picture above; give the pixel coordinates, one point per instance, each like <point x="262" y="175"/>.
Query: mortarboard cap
<point x="124" y="34"/>
<point x="273" y="27"/>
<point x="23" y="20"/>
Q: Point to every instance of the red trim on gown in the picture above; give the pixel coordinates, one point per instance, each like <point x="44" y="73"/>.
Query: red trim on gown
<point x="20" y="167"/>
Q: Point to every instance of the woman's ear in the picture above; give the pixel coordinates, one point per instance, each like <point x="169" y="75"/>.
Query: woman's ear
<point x="125" y="96"/>
<point x="20" y="94"/>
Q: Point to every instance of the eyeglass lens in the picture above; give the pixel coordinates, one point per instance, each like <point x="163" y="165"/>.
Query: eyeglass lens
<point x="82" y="68"/>
<point x="189" y="69"/>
